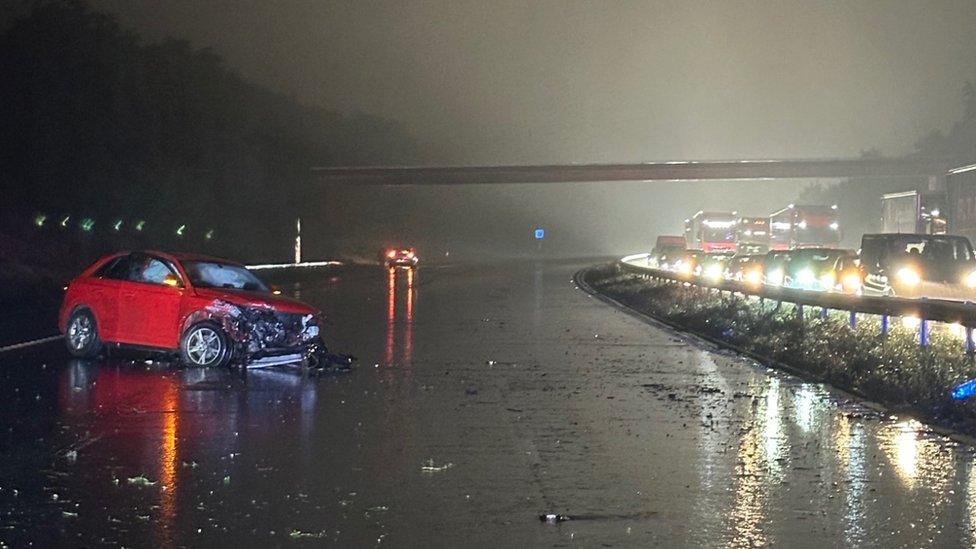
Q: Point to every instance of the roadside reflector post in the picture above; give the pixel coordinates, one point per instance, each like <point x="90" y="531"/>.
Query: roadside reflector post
<point x="823" y="313"/>
<point x="884" y="324"/>
<point x="799" y="311"/>
<point x="923" y="333"/>
<point x="853" y="319"/>
<point x="970" y="348"/>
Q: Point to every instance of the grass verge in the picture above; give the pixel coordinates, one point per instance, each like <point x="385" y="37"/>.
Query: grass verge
<point x="892" y="369"/>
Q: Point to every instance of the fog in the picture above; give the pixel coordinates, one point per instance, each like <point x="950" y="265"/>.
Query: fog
<point x="559" y="81"/>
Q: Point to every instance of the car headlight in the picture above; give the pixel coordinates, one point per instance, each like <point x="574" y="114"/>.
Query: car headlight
<point x="805" y="278"/>
<point x="908" y="276"/>
<point x="684" y="268"/>
<point x="971" y="280"/>
<point x="713" y="272"/>
<point x="852" y="282"/>
<point x="754" y="276"/>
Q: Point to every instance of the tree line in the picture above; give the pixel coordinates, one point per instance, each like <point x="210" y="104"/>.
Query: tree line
<point x="100" y="124"/>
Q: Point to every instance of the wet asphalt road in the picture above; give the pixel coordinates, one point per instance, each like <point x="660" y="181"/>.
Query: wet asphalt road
<point x="519" y="393"/>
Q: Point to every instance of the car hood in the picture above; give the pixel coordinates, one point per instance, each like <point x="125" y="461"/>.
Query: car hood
<point x="257" y="299"/>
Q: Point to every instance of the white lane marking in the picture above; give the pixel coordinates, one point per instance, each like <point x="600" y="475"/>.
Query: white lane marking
<point x="292" y="265"/>
<point x="16" y="346"/>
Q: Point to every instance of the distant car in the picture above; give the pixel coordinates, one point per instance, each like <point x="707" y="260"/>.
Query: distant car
<point x="919" y="265"/>
<point x="686" y="263"/>
<point x="821" y="269"/>
<point x="774" y="265"/>
<point x="746" y="268"/>
<point x="711" y="266"/>
<point x="400" y="257"/>
<point x="210" y="311"/>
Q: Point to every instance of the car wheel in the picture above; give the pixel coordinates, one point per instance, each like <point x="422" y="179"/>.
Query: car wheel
<point x="81" y="335"/>
<point x="204" y="345"/>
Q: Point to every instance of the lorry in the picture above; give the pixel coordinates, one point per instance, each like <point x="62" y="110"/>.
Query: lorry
<point x="913" y="212"/>
<point x="667" y="250"/>
<point x="711" y="231"/>
<point x="810" y="226"/>
<point x="752" y="235"/>
<point x="961" y="202"/>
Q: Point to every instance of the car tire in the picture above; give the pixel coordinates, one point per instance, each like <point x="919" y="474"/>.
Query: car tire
<point x="205" y="345"/>
<point x="81" y="335"/>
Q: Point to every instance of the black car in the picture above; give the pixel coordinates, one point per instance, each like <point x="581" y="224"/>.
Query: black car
<point x="919" y="265"/>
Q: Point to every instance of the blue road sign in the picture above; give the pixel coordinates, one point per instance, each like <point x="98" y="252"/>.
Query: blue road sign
<point x="540" y="233"/>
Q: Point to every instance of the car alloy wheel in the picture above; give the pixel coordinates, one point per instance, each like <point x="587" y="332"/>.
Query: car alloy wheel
<point x="204" y="346"/>
<point x="80" y="332"/>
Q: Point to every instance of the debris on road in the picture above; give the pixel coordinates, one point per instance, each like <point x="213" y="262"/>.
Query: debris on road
<point x="141" y="480"/>
<point x="552" y="518"/>
<point x="429" y="467"/>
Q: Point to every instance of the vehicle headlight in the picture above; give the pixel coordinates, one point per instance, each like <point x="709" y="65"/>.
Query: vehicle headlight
<point x="971" y="280"/>
<point x="805" y="277"/>
<point x="852" y="282"/>
<point x="754" y="276"/>
<point x="911" y="322"/>
<point x="908" y="276"/>
<point x="775" y="277"/>
<point x="828" y="280"/>
<point x="684" y="268"/>
<point x="714" y="272"/>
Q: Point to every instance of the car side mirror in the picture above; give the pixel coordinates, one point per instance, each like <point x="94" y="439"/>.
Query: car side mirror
<point x="171" y="280"/>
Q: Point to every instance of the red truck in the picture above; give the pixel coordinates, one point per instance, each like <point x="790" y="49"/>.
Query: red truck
<point x="712" y="231"/>
<point x="804" y="227"/>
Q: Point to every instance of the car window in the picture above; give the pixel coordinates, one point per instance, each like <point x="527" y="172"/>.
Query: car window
<point x="211" y="274"/>
<point x="115" y="269"/>
<point x="148" y="270"/>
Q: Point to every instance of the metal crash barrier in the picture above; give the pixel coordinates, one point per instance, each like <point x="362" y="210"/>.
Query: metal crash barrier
<point x="957" y="313"/>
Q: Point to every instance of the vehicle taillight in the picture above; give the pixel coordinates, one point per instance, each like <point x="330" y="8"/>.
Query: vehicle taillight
<point x="391" y="254"/>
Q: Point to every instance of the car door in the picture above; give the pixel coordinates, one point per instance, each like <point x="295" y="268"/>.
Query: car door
<point x="103" y="288"/>
<point x="150" y="303"/>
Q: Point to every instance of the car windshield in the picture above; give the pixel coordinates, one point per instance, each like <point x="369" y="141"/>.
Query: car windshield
<point x="819" y="260"/>
<point x="210" y="274"/>
<point x="933" y="251"/>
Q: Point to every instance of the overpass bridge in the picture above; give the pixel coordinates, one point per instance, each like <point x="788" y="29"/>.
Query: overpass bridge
<point x="934" y="169"/>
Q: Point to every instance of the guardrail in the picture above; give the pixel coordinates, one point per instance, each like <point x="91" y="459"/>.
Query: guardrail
<point x="925" y="310"/>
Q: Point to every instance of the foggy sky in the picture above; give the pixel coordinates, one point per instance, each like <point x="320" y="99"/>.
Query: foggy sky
<point x="557" y="80"/>
<point x="570" y="81"/>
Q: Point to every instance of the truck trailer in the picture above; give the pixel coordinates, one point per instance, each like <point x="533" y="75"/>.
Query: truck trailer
<point x="914" y="213"/>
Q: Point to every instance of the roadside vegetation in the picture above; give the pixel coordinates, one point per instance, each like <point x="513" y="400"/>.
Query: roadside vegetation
<point x="893" y="369"/>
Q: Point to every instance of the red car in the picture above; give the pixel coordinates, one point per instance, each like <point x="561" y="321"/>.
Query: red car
<point x="211" y="311"/>
<point x="400" y="257"/>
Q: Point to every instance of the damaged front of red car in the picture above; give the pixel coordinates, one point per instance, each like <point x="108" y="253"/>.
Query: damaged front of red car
<point x="261" y="329"/>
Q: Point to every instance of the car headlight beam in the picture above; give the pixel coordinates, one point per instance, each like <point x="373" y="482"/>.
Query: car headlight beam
<point x="908" y="276"/>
